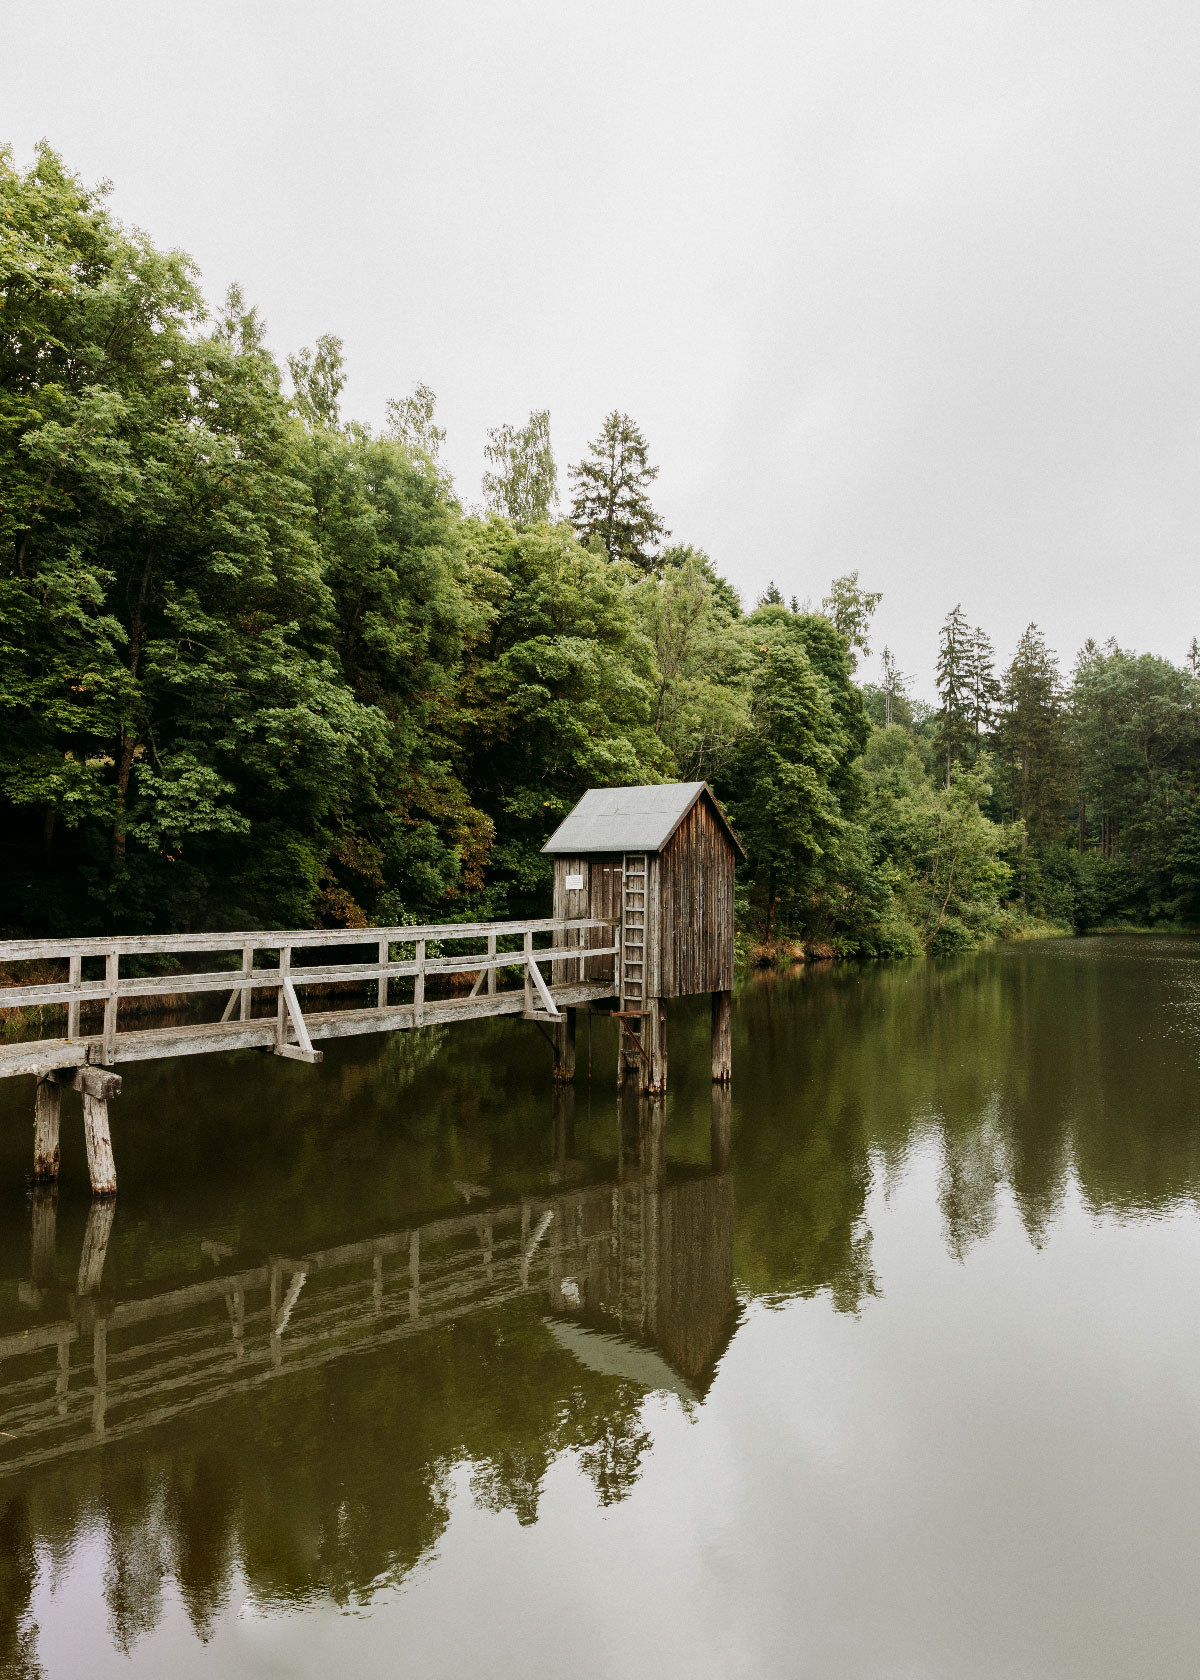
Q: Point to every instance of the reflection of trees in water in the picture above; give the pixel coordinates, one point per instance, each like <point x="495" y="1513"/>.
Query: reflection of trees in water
<point x="1026" y="1066"/>
<point x="338" y="1480"/>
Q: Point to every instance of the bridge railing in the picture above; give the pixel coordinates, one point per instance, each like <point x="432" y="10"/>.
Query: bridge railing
<point x="579" y="949"/>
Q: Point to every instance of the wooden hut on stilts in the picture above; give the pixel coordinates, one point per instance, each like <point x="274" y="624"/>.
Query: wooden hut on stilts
<point x="659" y="862"/>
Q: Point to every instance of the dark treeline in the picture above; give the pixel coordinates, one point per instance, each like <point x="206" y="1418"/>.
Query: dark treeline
<point x="260" y="667"/>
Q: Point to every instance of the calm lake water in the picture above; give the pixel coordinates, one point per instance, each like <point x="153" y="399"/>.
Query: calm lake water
<point x="887" y="1367"/>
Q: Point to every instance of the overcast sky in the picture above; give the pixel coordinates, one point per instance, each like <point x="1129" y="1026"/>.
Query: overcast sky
<point x="908" y="287"/>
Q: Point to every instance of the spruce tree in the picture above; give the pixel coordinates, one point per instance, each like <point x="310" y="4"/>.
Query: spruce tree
<point x="954" y="675"/>
<point x="610" y="500"/>
<point x="1033" y="736"/>
<point x="984" y="688"/>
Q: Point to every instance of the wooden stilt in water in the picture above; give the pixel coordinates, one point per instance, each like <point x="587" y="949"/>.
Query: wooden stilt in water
<point x="654" y="1043"/>
<point x="95" y="1246"/>
<point x="47" y="1112"/>
<point x="629" y="1051"/>
<point x="564" y="1048"/>
<point x="101" y="1165"/>
<point x="722" y="1037"/>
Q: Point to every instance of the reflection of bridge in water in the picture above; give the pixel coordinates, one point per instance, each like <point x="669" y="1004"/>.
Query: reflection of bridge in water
<point x="636" y="1273"/>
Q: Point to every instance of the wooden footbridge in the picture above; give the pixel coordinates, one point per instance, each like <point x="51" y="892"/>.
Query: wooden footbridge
<point x="643" y="900"/>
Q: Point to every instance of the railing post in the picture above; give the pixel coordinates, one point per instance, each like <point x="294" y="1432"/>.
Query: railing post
<point x="112" y="970"/>
<point x="247" y="968"/>
<point x="74" y="976"/>
<point x="419" y="986"/>
<point x="491" y="976"/>
<point x="528" y="950"/>
<point x="381" y="990"/>
<point x="285" y="964"/>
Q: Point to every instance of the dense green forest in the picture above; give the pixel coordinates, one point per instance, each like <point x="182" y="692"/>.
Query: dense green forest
<point x="259" y="666"/>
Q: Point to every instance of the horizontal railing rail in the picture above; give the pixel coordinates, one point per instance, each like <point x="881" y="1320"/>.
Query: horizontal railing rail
<point x="571" y="954"/>
<point x="270" y="939"/>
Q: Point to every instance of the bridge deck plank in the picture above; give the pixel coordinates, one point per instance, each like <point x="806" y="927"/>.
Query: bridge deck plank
<point x="40" y="1056"/>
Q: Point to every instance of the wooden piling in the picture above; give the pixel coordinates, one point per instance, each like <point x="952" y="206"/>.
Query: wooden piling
<point x="564" y="1048"/>
<point x="722" y="1037"/>
<point x="629" y="1052"/>
<point x="654" y="1043"/>
<point x="47" y="1113"/>
<point x="102" y="1168"/>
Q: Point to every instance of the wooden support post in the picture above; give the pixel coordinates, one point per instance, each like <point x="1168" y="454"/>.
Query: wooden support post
<point x="75" y="972"/>
<point x="381" y="991"/>
<point x="491" y="973"/>
<point x="564" y="1048"/>
<point x="95" y="1247"/>
<point x="722" y="1037"/>
<point x="247" y="968"/>
<point x="654" y="1043"/>
<point x="630" y="1058"/>
<point x="47" y="1112"/>
<point x="721" y="1126"/>
<point x="112" y="970"/>
<point x="419" y="986"/>
<point x="281" y="1018"/>
<point x="102" y="1168"/>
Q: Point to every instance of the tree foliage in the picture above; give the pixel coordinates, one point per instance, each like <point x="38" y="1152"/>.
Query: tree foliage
<point x="611" y="504"/>
<point x="521" y="483"/>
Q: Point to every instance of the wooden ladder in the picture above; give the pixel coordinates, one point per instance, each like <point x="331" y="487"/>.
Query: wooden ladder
<point x="633" y="932"/>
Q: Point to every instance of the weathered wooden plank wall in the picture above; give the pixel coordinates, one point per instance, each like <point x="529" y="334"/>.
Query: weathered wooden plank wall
<point x="600" y="896"/>
<point x="695" y="897"/>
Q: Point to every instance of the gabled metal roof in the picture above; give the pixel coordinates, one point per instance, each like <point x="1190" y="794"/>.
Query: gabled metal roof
<point x="630" y="819"/>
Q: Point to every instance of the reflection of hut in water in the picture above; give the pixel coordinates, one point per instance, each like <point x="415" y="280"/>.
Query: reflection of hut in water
<point x="663" y="1282"/>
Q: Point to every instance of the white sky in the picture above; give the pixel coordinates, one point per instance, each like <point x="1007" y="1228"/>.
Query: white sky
<point x="908" y="287"/>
